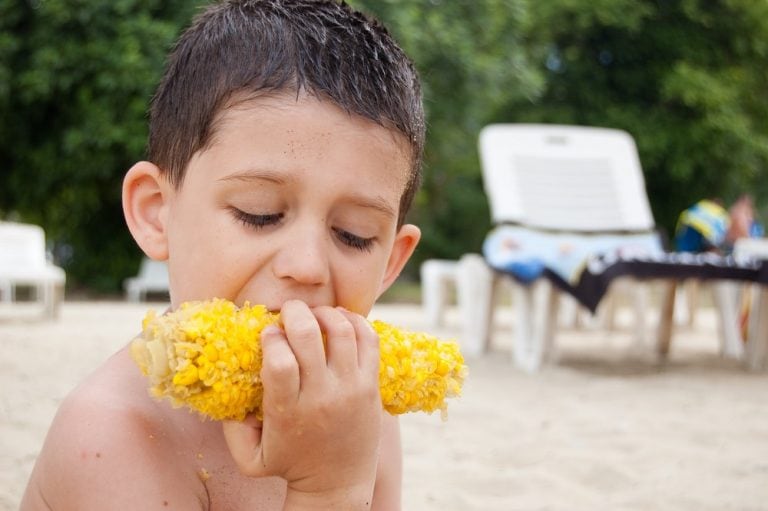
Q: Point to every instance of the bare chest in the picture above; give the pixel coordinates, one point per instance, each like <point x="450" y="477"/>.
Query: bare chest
<point x="226" y="489"/>
<point x="233" y="492"/>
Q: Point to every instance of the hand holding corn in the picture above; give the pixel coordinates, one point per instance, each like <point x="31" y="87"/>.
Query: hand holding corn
<point x="207" y="356"/>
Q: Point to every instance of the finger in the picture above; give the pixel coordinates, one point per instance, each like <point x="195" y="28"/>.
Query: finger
<point x="368" y="357"/>
<point x="341" y="339"/>
<point x="305" y="339"/>
<point x="244" y="442"/>
<point x="279" y="371"/>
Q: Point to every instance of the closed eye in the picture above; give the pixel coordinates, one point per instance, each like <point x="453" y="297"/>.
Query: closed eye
<point x="353" y="240"/>
<point x="257" y="221"/>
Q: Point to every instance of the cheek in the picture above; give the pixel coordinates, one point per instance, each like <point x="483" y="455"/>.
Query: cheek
<point x="357" y="288"/>
<point x="202" y="254"/>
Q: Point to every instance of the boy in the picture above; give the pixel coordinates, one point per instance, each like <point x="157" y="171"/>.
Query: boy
<point x="284" y="151"/>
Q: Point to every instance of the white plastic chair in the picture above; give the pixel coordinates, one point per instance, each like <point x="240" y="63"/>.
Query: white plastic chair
<point x="558" y="179"/>
<point x="23" y="262"/>
<point x="152" y="278"/>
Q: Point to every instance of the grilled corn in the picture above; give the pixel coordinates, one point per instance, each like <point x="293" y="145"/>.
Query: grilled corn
<point x="207" y="356"/>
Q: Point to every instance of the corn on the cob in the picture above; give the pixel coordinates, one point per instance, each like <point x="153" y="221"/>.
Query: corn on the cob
<point x="207" y="356"/>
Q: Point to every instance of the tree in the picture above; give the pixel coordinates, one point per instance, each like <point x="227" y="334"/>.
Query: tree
<point x="76" y="77"/>
<point x="685" y="77"/>
<point x="472" y="59"/>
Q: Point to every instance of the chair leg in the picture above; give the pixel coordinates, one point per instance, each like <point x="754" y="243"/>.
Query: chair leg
<point x="430" y="295"/>
<point x="666" y="318"/>
<point x="757" y="346"/>
<point x="536" y="317"/>
<point x="48" y="297"/>
<point x="692" y="287"/>
<point x="6" y="288"/>
<point x="569" y="312"/>
<point x="608" y="306"/>
<point x="475" y="290"/>
<point x="726" y="294"/>
<point x="551" y="308"/>
<point x="131" y="292"/>
<point x="640" y="302"/>
<point x="52" y="294"/>
<point x="435" y="277"/>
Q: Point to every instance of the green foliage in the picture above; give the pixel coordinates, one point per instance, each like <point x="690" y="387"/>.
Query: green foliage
<point x="472" y="59"/>
<point x="76" y="77"/>
<point x="684" y="77"/>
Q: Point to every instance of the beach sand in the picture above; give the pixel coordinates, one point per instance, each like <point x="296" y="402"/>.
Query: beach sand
<point x="607" y="427"/>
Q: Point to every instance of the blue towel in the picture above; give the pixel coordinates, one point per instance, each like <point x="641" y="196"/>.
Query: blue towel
<point x="526" y="253"/>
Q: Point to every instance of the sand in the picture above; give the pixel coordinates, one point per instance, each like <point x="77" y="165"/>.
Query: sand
<point x="608" y="427"/>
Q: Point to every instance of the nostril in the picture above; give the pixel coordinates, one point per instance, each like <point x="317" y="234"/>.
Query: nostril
<point x="303" y="268"/>
<point x="301" y="254"/>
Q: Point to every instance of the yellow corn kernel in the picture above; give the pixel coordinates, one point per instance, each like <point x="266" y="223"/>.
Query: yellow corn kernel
<point x="186" y="376"/>
<point x="211" y="352"/>
<point x="207" y="356"/>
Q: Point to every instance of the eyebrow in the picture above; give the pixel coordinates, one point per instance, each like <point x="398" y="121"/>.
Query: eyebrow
<point x="256" y="175"/>
<point x="375" y="202"/>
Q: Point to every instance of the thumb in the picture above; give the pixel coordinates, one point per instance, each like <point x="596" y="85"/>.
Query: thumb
<point x="244" y="441"/>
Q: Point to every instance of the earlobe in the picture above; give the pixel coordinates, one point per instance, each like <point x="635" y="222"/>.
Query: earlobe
<point x="145" y="201"/>
<point x="407" y="238"/>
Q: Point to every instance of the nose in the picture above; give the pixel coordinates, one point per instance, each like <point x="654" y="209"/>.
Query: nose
<point x="303" y="257"/>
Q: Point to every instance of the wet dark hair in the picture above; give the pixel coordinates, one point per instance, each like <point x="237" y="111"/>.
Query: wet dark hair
<point x="256" y="47"/>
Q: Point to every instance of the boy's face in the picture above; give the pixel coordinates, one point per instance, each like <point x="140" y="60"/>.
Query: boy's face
<point x="294" y="199"/>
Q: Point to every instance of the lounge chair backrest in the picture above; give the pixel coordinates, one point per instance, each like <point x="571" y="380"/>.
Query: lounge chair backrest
<point x="564" y="178"/>
<point x="22" y="248"/>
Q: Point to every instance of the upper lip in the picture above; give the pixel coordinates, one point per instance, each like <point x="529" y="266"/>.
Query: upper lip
<point x="311" y="304"/>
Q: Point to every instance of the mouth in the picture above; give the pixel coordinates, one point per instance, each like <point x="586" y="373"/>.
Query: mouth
<point x="275" y="308"/>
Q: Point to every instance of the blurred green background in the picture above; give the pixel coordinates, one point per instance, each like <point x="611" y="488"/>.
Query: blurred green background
<point x="687" y="78"/>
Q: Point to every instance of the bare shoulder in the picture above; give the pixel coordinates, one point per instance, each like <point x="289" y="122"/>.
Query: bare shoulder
<point x="111" y="447"/>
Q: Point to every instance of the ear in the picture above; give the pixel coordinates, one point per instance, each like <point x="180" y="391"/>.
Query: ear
<point x="145" y="200"/>
<point x="406" y="239"/>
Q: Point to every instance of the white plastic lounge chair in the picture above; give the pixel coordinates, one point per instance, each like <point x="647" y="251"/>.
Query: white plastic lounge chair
<point x="553" y="181"/>
<point x="152" y="278"/>
<point x="23" y="262"/>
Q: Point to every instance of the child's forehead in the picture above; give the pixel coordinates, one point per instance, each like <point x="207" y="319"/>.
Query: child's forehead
<point x="291" y="110"/>
<point x="303" y="101"/>
<point x="301" y="123"/>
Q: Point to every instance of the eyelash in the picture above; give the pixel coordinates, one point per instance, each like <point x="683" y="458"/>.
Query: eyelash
<point x="354" y="241"/>
<point x="259" y="221"/>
